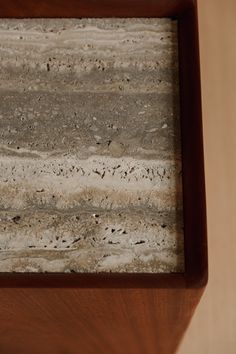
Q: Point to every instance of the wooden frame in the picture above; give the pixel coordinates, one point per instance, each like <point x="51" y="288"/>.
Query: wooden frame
<point x="155" y="302"/>
<point x="191" y="127"/>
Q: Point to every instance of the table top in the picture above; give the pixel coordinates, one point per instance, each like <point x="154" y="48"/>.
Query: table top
<point x="91" y="175"/>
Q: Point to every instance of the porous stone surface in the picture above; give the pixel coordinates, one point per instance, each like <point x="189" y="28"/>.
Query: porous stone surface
<point x="90" y="166"/>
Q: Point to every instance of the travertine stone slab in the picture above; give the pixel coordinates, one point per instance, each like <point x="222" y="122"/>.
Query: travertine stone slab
<point x="90" y="166"/>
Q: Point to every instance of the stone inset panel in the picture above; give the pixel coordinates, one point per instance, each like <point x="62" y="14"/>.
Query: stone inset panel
<point x="90" y="167"/>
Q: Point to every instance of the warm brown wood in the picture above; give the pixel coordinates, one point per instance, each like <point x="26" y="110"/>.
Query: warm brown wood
<point x="94" y="321"/>
<point x="117" y="313"/>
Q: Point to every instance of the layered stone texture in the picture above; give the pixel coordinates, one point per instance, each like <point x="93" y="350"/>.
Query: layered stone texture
<point x="90" y="167"/>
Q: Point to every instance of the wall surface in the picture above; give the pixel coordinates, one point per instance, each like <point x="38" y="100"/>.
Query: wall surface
<point x="213" y="327"/>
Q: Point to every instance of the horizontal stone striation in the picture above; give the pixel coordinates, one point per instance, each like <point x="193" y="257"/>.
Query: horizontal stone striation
<point x="90" y="55"/>
<point x="137" y="125"/>
<point x="99" y="182"/>
<point x="90" y="239"/>
<point x="90" y="168"/>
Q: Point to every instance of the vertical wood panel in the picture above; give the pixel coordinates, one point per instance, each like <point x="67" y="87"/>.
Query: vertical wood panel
<point x="94" y="321"/>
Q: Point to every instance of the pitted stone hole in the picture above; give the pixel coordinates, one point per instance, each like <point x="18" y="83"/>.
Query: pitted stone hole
<point x="90" y="168"/>
<point x="16" y="219"/>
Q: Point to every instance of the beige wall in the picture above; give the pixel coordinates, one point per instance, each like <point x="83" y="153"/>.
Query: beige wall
<point x="213" y="329"/>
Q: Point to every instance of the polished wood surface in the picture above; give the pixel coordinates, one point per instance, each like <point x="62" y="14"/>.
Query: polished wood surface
<point x="117" y="313"/>
<point x="94" y="321"/>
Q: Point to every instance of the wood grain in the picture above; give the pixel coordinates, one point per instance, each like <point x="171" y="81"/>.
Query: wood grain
<point x="94" y="321"/>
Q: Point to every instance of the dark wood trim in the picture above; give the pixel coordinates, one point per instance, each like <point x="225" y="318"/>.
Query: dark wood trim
<point x="196" y="261"/>
<point x="101" y="280"/>
<point x="192" y="141"/>
<point x="92" y="8"/>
